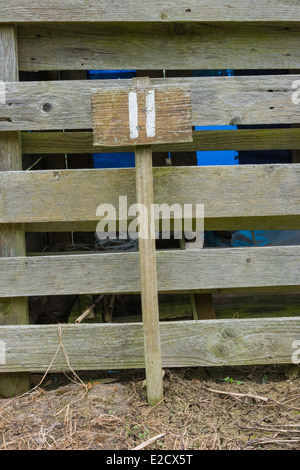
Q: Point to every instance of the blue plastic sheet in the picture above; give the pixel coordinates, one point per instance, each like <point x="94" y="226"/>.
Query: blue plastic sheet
<point x="266" y="238"/>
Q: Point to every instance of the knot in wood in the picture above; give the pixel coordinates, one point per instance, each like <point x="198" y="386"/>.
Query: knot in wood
<point x="46" y="107"/>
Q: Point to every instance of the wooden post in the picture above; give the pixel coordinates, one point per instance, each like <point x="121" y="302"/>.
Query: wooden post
<point x="149" y="295"/>
<point x="12" y="236"/>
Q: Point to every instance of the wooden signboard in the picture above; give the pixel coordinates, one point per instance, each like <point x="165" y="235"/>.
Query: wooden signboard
<point x="142" y="115"/>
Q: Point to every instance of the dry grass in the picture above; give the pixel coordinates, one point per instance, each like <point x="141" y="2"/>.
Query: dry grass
<point x="257" y="413"/>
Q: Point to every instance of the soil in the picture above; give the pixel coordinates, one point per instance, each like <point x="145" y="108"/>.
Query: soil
<point x="259" y="409"/>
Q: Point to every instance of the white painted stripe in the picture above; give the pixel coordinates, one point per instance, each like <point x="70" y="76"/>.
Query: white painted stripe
<point x="2" y="93"/>
<point x="150" y="110"/>
<point x="133" y="114"/>
<point x="2" y="352"/>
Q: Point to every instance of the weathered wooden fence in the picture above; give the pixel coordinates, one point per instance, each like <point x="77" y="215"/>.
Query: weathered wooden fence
<point x="146" y="35"/>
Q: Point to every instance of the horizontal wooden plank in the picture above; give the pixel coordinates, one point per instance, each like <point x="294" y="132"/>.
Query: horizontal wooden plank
<point x="177" y="271"/>
<point x="239" y="139"/>
<point x="227" y="192"/>
<point x="228" y="223"/>
<point x="245" y="100"/>
<point x="121" y="346"/>
<point x="157" y="10"/>
<point x="161" y="46"/>
<point x="251" y="306"/>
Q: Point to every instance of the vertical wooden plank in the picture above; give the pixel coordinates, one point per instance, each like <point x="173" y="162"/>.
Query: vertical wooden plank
<point x="12" y="237"/>
<point x="205" y="306"/>
<point x="150" y="312"/>
<point x="202" y="304"/>
<point x="296" y="156"/>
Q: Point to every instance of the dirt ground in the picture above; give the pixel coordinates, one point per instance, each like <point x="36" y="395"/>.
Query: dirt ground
<point x="203" y="409"/>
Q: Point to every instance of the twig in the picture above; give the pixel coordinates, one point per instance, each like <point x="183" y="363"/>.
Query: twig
<point x="85" y="314"/>
<point x="255" y="397"/>
<point x="253" y="236"/>
<point x="241" y="395"/>
<point x="282" y="425"/>
<point x="270" y="441"/>
<point x="150" y="441"/>
<point x="44" y="376"/>
<point x="270" y="428"/>
<point x="152" y="407"/>
<point x="61" y="331"/>
<point x="28" y="169"/>
<point x="2" y="417"/>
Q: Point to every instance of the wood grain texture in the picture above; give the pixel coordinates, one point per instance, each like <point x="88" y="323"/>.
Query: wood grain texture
<point x="157" y="10"/>
<point x="268" y="193"/>
<point x="148" y="274"/>
<point x="13" y="310"/>
<point x="12" y="237"/>
<point x="177" y="271"/>
<point x="241" y="139"/>
<point x="142" y="114"/>
<point x="159" y="46"/>
<point x="243" y="100"/>
<point x="120" y="346"/>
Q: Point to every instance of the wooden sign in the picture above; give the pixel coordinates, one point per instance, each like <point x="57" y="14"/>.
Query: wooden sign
<point x="142" y="115"/>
